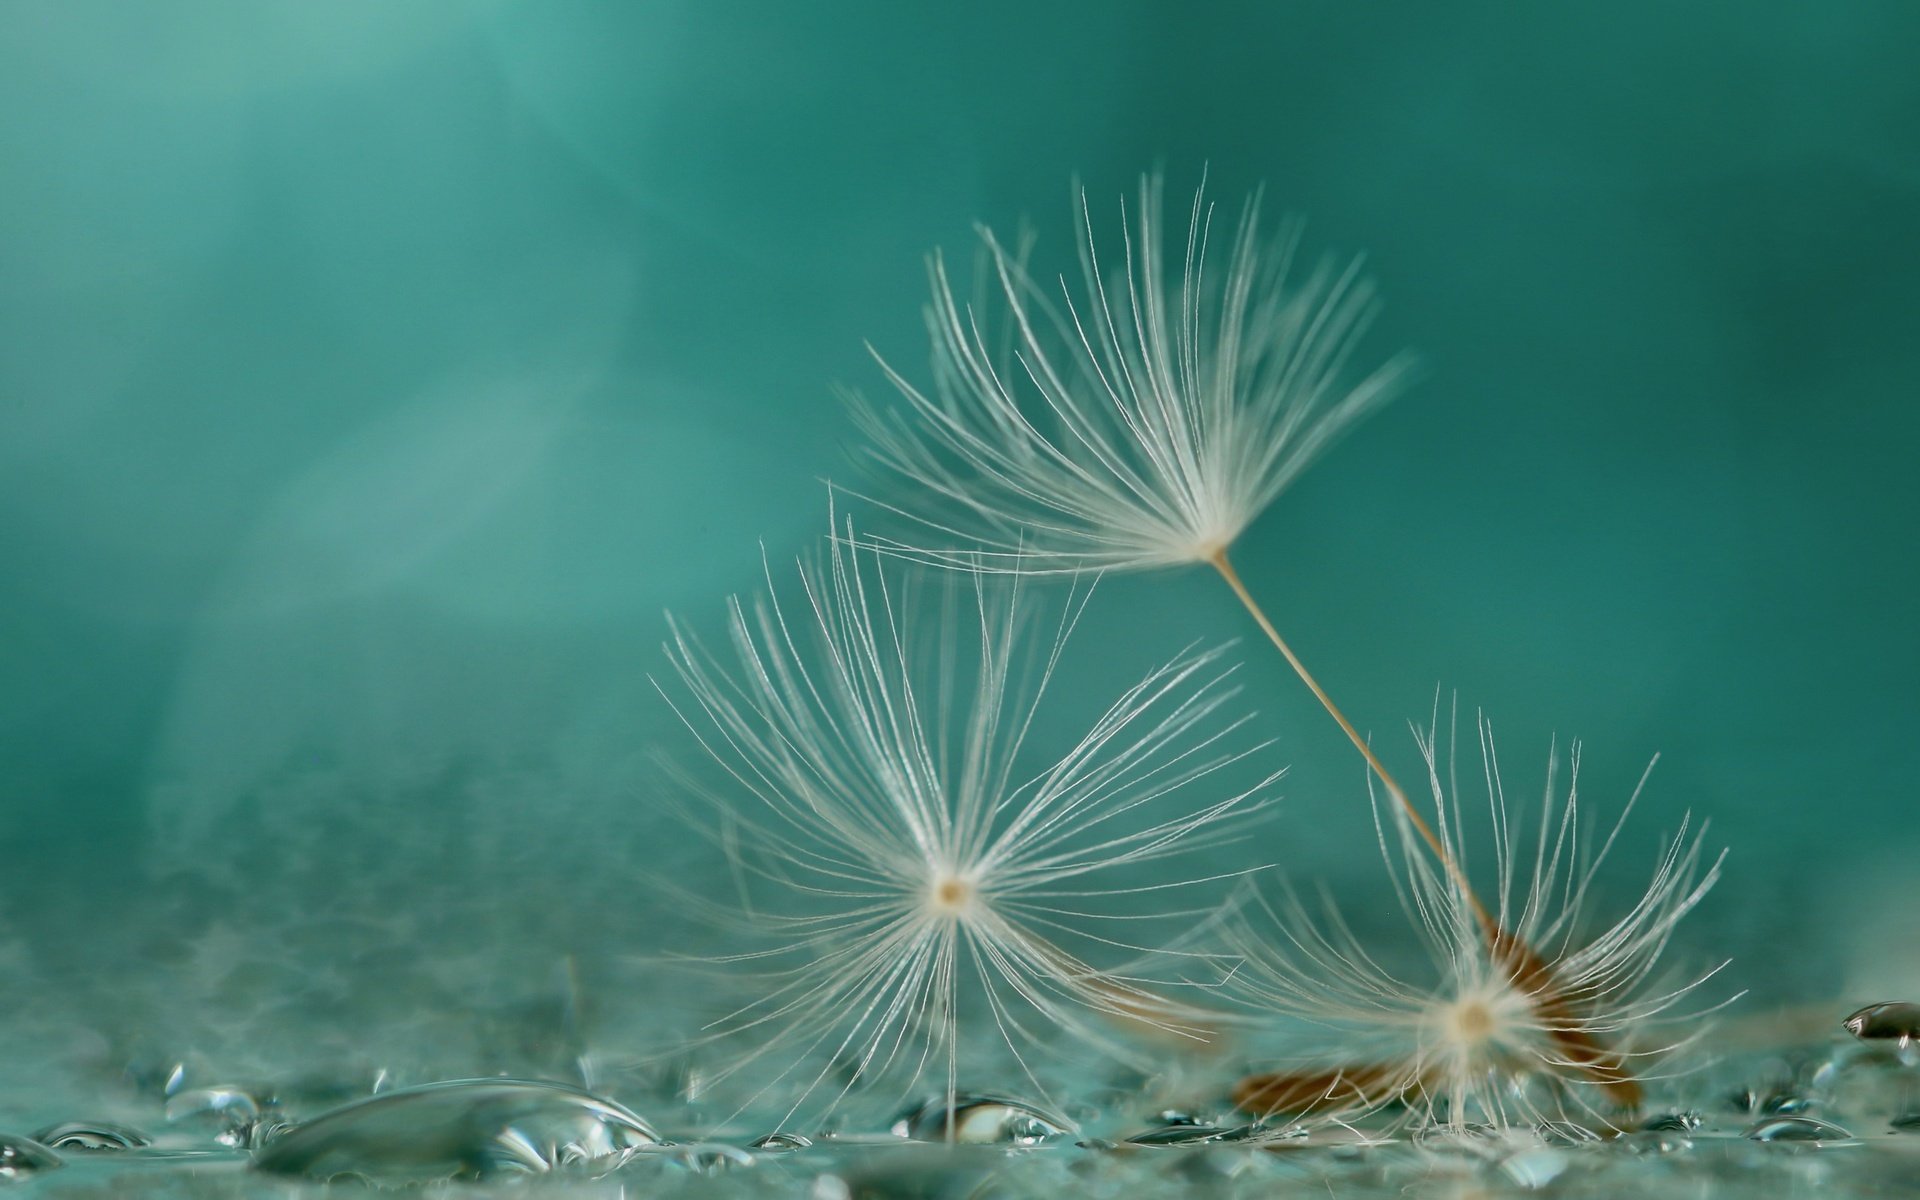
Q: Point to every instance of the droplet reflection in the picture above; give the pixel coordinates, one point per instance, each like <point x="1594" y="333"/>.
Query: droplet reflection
<point x="461" y="1129"/>
<point x="88" y="1136"/>
<point x="1797" y="1129"/>
<point x="980" y="1121"/>
<point x="20" y="1157"/>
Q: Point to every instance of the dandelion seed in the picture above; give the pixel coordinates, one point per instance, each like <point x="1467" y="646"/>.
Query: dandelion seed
<point x="1502" y="1036"/>
<point x="875" y="780"/>
<point x="1144" y="425"/>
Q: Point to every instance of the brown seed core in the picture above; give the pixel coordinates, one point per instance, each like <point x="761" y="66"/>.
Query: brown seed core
<point x="1473" y="1021"/>
<point x="952" y="892"/>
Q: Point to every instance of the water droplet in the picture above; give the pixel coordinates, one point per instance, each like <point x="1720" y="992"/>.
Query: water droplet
<point x="1883" y="1022"/>
<point x="980" y="1121"/>
<point x="466" y="1128"/>
<point x="1657" y="1141"/>
<point x="20" y="1157"/>
<point x="1797" y="1129"/>
<point x="1771" y="1101"/>
<point x="1680" y="1122"/>
<point x="1897" y="1023"/>
<point x="91" y="1135"/>
<point x="226" y="1112"/>
<point x="1534" y="1168"/>
<point x="782" y="1143"/>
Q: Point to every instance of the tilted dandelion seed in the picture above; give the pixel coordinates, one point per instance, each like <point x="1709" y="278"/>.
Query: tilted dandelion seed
<point x="877" y="783"/>
<point x="1144" y="425"/>
<point x="1484" y="1043"/>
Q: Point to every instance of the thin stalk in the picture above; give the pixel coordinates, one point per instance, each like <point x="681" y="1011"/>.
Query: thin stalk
<point x="1523" y="965"/>
<point x="1480" y="913"/>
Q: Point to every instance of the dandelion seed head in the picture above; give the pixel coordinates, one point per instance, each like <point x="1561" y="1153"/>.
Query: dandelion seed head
<point x="1140" y="419"/>
<point x="908" y="867"/>
<point x="1497" y="1034"/>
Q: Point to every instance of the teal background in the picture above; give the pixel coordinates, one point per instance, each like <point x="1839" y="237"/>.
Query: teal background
<point x="373" y="375"/>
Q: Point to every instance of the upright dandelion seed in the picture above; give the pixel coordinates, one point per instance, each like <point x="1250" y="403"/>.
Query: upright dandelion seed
<point x="1479" y="1042"/>
<point x="1145" y="424"/>
<point x="930" y="876"/>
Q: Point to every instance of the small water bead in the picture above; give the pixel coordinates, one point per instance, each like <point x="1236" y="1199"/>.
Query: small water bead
<point x="20" y="1157"/>
<point x="1797" y="1129"/>
<point x="781" y="1143"/>
<point x="90" y="1136"/>
<point x="972" y="1120"/>
<point x="1680" y="1122"/>
<point x="460" y="1129"/>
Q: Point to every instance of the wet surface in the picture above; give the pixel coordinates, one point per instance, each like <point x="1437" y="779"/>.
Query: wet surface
<point x="1852" y="1133"/>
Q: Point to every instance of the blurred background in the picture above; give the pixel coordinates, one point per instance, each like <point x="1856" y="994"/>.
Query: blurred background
<point x="374" y="376"/>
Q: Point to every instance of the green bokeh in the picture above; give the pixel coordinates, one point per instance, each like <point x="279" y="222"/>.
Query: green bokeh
<point x="373" y="375"/>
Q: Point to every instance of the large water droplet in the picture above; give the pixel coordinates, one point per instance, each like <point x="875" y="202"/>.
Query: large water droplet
<point x="980" y="1121"/>
<point x="1797" y="1129"/>
<point x="466" y="1128"/>
<point x="1897" y="1023"/>
<point x="20" y="1157"/>
<point x="782" y="1143"/>
<point x="91" y="1136"/>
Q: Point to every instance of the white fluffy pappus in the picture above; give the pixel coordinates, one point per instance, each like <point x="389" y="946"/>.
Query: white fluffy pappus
<point x="1538" y="1017"/>
<point x="913" y="870"/>
<point x="1144" y="424"/>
